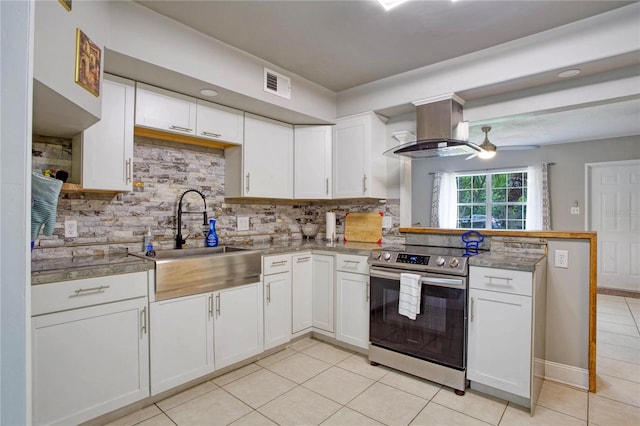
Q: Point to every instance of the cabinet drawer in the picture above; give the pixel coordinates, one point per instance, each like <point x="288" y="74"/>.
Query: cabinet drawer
<point x="352" y="263"/>
<point x="74" y="294"/>
<point x="276" y="264"/>
<point x="502" y="280"/>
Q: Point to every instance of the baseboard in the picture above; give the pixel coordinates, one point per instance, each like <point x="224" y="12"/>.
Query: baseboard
<point x="619" y="292"/>
<point x="567" y="374"/>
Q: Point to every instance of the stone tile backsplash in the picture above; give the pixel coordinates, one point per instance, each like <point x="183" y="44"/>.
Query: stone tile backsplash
<point x="110" y="223"/>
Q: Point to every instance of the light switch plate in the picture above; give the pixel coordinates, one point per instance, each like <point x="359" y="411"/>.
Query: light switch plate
<point x="575" y="210"/>
<point x="387" y="222"/>
<point x="243" y="223"/>
<point x="561" y="259"/>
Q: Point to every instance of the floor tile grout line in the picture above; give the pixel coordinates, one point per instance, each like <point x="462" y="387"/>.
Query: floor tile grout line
<point x="615" y="400"/>
<point x="632" y="317"/>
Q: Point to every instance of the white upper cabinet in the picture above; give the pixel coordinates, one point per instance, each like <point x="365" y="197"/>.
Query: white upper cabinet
<point x="312" y="163"/>
<point x="263" y="166"/>
<point x="102" y="155"/>
<point x="62" y="107"/>
<point x="164" y="110"/>
<point x="218" y="122"/>
<point x="359" y="167"/>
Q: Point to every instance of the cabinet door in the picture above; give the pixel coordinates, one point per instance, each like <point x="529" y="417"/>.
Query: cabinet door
<point x="181" y="340"/>
<point x="89" y="361"/>
<point x="164" y="110"/>
<point x="268" y="158"/>
<point x="238" y="324"/>
<point x="359" y="166"/>
<point x="350" y="154"/>
<point x="312" y="163"/>
<point x="301" y="292"/>
<point x="103" y="154"/>
<point x="352" y="306"/>
<point x="218" y="122"/>
<point x="323" y="282"/>
<point x="277" y="309"/>
<point x="499" y="349"/>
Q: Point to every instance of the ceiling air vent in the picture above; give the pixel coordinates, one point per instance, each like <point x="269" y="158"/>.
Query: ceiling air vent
<point x="277" y="83"/>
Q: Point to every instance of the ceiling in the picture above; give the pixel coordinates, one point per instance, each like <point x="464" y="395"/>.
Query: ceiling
<point x="343" y="44"/>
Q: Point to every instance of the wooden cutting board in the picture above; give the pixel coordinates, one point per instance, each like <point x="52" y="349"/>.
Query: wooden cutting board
<point x="363" y="227"/>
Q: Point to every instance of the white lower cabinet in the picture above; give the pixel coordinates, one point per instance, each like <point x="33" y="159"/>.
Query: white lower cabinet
<point x="500" y="340"/>
<point x="277" y="309"/>
<point x="238" y="324"/>
<point x="352" y="301"/>
<point x="301" y="292"/>
<point x="322" y="291"/>
<point x="507" y="326"/>
<point x="89" y="361"/>
<point x="181" y="340"/>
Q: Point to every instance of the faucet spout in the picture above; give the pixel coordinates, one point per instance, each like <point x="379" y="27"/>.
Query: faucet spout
<point x="179" y="240"/>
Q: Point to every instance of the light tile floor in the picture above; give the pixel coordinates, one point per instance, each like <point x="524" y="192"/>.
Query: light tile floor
<point x="313" y="383"/>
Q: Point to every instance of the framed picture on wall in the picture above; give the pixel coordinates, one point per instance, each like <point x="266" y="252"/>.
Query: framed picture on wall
<point x="66" y="4"/>
<point x="88" y="62"/>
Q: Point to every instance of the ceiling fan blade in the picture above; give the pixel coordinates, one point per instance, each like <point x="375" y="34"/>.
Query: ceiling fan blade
<point x="475" y="154"/>
<point x="518" y="147"/>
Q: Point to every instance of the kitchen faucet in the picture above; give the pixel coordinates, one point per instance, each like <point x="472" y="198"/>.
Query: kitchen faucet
<point x="179" y="240"/>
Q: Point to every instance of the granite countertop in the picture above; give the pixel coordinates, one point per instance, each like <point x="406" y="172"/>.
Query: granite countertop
<point x="72" y="268"/>
<point x="514" y="261"/>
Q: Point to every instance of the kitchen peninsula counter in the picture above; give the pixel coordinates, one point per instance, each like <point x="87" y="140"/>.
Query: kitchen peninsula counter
<point x="502" y="260"/>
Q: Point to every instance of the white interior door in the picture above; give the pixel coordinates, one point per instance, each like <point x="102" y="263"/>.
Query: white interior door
<point x="614" y="212"/>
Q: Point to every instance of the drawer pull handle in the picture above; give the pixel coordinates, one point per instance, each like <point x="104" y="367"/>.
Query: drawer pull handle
<point x="278" y="263"/>
<point x="352" y="261"/>
<point x="214" y="135"/>
<point x="218" y="304"/>
<point x="211" y="305"/>
<point x="303" y="259"/>
<point x="182" y="129"/>
<point x="491" y="278"/>
<point x="269" y="293"/>
<point x="98" y="289"/>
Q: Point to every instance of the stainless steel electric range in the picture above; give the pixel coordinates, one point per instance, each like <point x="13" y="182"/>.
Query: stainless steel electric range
<point x="433" y="346"/>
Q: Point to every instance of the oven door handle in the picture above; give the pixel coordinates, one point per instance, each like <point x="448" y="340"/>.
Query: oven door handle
<point x="441" y="282"/>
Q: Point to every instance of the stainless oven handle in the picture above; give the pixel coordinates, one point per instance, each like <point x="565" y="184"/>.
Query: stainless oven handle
<point x="442" y="282"/>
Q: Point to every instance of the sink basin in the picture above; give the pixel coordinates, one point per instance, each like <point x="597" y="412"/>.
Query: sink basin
<point x="182" y="272"/>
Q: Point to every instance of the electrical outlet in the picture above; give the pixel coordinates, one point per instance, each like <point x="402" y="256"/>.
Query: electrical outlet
<point x="387" y="222"/>
<point x="70" y="228"/>
<point x="575" y="210"/>
<point x="561" y="259"/>
<point x="242" y="223"/>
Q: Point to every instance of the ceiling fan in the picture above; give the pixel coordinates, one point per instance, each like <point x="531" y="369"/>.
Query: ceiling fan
<point x="488" y="150"/>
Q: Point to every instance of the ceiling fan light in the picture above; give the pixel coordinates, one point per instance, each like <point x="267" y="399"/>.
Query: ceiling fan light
<point x="486" y="154"/>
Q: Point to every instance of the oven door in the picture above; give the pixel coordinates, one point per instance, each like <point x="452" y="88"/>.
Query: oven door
<point x="439" y="332"/>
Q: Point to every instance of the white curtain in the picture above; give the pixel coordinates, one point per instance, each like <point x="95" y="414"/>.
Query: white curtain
<point x="538" y="209"/>
<point x="444" y="207"/>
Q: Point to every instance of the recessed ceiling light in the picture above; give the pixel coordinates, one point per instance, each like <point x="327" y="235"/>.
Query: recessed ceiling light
<point x="390" y="4"/>
<point x="569" y="73"/>
<point x="209" y="92"/>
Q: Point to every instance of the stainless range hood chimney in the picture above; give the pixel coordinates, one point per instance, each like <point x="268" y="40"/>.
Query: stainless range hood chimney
<point x="441" y="131"/>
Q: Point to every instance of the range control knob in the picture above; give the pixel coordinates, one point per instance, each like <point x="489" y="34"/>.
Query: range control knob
<point x="454" y="262"/>
<point x="386" y="256"/>
<point x="440" y="261"/>
<point x="375" y="255"/>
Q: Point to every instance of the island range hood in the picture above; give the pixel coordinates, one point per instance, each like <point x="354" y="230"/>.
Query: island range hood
<point x="441" y="131"/>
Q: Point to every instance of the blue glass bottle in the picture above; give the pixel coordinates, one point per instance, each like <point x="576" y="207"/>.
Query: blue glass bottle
<point x="212" y="237"/>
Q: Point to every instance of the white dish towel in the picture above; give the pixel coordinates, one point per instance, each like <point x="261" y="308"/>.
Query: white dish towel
<point x="409" y="300"/>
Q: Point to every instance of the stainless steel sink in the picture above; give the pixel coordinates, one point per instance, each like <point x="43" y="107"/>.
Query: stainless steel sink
<point x="188" y="271"/>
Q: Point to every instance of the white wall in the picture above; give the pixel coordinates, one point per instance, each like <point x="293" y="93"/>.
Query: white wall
<point x="16" y="47"/>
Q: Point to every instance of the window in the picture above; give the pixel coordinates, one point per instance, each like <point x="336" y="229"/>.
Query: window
<point x="492" y="200"/>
